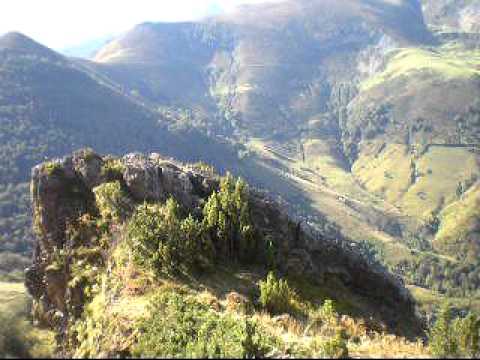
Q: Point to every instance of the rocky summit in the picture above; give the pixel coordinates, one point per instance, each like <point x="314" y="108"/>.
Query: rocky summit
<point x="64" y="191"/>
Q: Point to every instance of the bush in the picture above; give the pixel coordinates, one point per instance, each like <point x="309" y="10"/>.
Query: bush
<point x="454" y="337"/>
<point x="180" y="326"/>
<point x="323" y="319"/>
<point x="276" y="295"/>
<point x="53" y="168"/>
<point x="113" y="169"/>
<point x="14" y="332"/>
<point x="161" y="240"/>
<point x="227" y="220"/>
<point x="335" y="348"/>
<point x="112" y="202"/>
<point x="466" y="332"/>
<point x="442" y="342"/>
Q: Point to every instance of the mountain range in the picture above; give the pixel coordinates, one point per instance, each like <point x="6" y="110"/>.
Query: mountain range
<point x="364" y="115"/>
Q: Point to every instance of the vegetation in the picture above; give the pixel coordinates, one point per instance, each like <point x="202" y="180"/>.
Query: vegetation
<point x="18" y="338"/>
<point x="227" y="220"/>
<point x="178" y="319"/>
<point x="39" y="123"/>
<point x="448" y="63"/>
<point x="113" y="169"/>
<point x="398" y="174"/>
<point x="430" y="271"/>
<point x="276" y="296"/>
<point x="180" y="326"/>
<point x="165" y="240"/>
<point x="112" y="202"/>
<point x="459" y="337"/>
<point x="160" y="239"/>
<point x="143" y="294"/>
<point x="336" y="348"/>
<point x="15" y="228"/>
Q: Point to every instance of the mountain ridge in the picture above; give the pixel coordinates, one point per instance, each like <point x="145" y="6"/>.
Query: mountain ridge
<point x="341" y="114"/>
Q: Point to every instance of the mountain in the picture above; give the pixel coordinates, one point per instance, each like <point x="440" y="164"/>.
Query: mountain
<point x="51" y="105"/>
<point x="260" y="54"/>
<point x="449" y="15"/>
<point x="361" y="107"/>
<point x="360" y="114"/>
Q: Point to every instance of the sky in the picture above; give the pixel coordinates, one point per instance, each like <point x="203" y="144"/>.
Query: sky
<point x="60" y="24"/>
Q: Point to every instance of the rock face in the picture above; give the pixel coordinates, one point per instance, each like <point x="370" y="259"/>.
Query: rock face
<point x="62" y="191"/>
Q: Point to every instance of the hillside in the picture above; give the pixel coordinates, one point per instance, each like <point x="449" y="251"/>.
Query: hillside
<point x="362" y="115"/>
<point x="453" y="16"/>
<point x="368" y="118"/>
<point x="50" y="105"/>
<point x="262" y="69"/>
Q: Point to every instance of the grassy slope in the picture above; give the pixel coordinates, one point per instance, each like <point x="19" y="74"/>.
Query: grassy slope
<point x="14" y="302"/>
<point x="386" y="170"/>
<point x="440" y="170"/>
<point x="134" y="289"/>
<point x="448" y="62"/>
<point x="328" y="188"/>
<point x="429" y="300"/>
<point x="458" y="221"/>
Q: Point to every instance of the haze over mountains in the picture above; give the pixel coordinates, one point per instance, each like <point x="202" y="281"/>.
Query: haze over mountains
<point x="362" y="114"/>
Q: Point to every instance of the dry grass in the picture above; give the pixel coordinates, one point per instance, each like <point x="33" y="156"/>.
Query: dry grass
<point x="388" y="346"/>
<point x="301" y="336"/>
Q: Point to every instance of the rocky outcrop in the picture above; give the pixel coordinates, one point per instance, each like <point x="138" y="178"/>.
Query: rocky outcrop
<point x="63" y="191"/>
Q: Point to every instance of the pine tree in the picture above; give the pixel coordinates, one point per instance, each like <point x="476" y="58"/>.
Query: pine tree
<point x="467" y="334"/>
<point x="442" y="342"/>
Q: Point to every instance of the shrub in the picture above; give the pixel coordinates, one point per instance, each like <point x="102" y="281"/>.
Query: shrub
<point x="270" y="253"/>
<point x="112" y="202"/>
<point x="276" y="295"/>
<point x="180" y="326"/>
<point x="205" y="168"/>
<point x="227" y="219"/>
<point x="328" y="311"/>
<point x="335" y="348"/>
<point x="466" y="332"/>
<point x="17" y="338"/>
<point x="85" y="270"/>
<point x="113" y="169"/>
<point x="455" y="337"/>
<point x="53" y="168"/>
<point x="442" y="343"/>
<point x="161" y="240"/>
<point x="323" y="319"/>
<point x="58" y="260"/>
<point x="99" y="333"/>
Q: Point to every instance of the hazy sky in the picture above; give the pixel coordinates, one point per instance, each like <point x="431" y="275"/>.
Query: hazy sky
<point x="63" y="23"/>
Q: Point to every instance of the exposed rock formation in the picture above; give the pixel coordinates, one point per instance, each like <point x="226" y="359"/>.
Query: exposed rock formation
<point x="62" y="191"/>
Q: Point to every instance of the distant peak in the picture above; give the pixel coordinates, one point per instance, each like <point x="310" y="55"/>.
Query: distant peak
<point x="17" y="41"/>
<point x="15" y="37"/>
